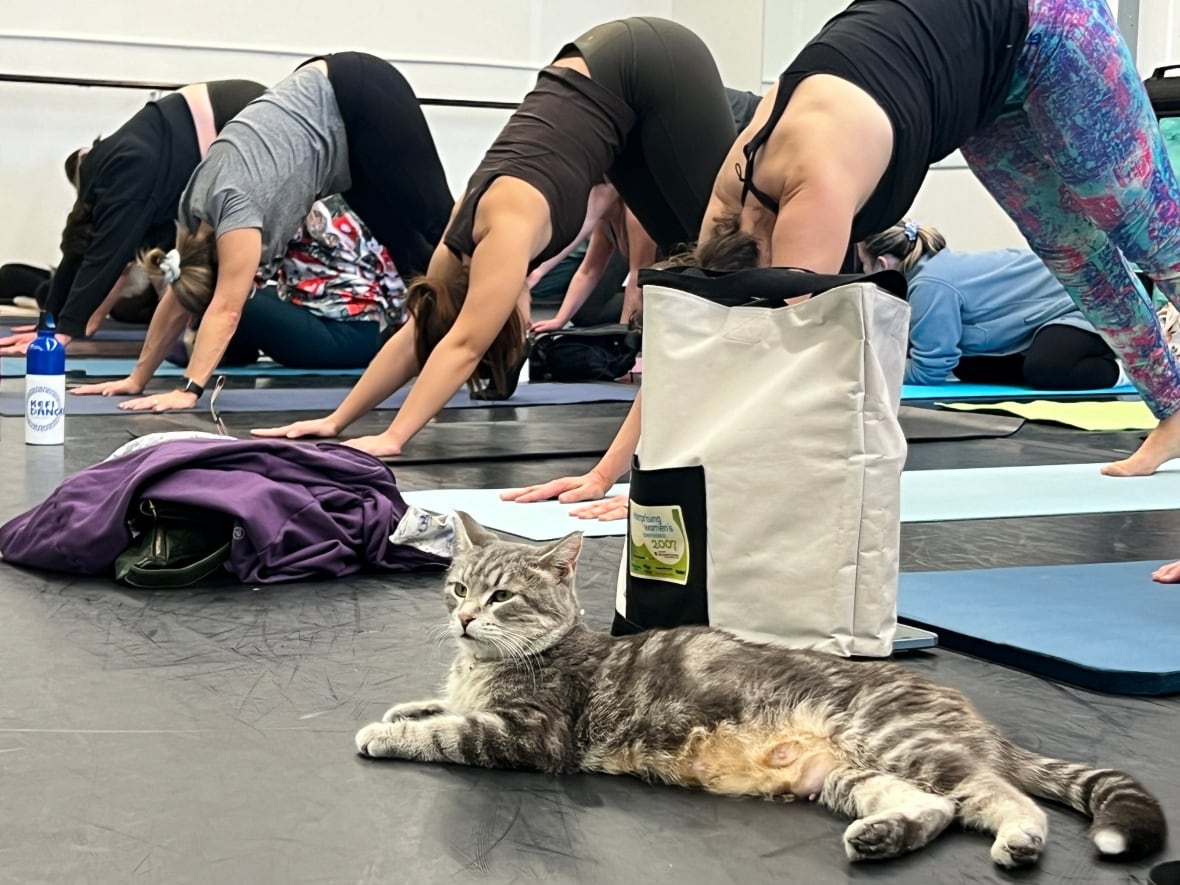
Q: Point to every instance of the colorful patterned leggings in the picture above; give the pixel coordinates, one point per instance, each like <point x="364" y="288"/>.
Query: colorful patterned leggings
<point x="1081" y="167"/>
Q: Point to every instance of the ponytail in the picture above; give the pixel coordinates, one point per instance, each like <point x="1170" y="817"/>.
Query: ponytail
<point x="190" y="269"/>
<point x="907" y="241"/>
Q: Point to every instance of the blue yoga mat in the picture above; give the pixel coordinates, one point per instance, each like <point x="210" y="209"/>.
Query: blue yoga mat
<point x="104" y="334"/>
<point x="962" y="392"/>
<point x="324" y="399"/>
<point x="1105" y="627"/>
<point x="99" y="367"/>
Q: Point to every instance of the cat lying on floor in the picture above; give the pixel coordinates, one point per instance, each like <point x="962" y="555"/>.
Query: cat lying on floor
<point x="532" y="688"/>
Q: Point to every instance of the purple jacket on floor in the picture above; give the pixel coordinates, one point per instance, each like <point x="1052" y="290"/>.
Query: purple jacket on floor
<point x="303" y="510"/>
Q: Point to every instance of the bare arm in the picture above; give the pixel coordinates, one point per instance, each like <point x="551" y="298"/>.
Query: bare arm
<point x="589" y="272"/>
<point x="167" y="323"/>
<point x="593" y="485"/>
<point x="814" y="225"/>
<point x="641" y="253"/>
<point x="239" y="253"/>
<point x="498" y="272"/>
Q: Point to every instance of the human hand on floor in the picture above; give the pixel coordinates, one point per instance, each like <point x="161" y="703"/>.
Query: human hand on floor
<point x="607" y="510"/>
<point x="18" y="344"/>
<point x="161" y="402"/>
<point x="379" y="445"/>
<point x="1167" y="574"/>
<point x="318" y="427"/>
<point x="571" y="489"/>
<point x="122" y="387"/>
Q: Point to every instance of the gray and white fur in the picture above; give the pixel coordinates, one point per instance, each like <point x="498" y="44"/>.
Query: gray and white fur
<point x="532" y="688"/>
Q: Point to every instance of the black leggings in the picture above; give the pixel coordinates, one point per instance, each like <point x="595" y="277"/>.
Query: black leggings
<point x="1059" y="358"/>
<point x="684" y="124"/>
<point x="398" y="184"/>
<point x="23" y="280"/>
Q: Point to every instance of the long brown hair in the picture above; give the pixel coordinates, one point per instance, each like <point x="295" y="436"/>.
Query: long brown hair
<point x="907" y="241"/>
<point x="730" y="248"/>
<point x="198" y="269"/>
<point x="435" y="302"/>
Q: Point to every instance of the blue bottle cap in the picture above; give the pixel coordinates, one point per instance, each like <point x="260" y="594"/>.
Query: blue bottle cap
<point x="46" y="355"/>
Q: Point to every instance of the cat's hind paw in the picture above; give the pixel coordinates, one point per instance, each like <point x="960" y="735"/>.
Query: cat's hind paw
<point x="1019" y="844"/>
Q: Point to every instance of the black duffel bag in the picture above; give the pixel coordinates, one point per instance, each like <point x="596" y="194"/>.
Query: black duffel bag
<point x="1164" y="91"/>
<point x="593" y="353"/>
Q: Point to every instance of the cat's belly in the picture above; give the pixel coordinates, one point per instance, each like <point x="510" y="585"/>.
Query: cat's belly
<point x="736" y="759"/>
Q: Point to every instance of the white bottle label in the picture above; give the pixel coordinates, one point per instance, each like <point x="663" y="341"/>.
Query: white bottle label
<point x="45" y="410"/>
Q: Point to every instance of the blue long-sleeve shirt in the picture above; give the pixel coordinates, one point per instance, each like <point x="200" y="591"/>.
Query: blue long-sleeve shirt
<point x="979" y="304"/>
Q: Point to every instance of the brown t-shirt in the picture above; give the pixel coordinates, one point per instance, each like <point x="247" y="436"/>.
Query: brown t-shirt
<point x="562" y="140"/>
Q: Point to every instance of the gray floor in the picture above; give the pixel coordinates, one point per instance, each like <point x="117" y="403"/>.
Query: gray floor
<point x="206" y="736"/>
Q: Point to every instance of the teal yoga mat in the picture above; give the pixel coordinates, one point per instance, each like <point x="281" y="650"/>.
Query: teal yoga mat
<point x="962" y="392"/>
<point x="1105" y="627"/>
<point x="324" y="399"/>
<point x="97" y="367"/>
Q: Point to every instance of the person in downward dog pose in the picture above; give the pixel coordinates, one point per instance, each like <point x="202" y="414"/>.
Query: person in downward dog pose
<point x="1043" y="99"/>
<point x="532" y="688"/>
<point x="612" y="107"/>
<point x="346" y="124"/>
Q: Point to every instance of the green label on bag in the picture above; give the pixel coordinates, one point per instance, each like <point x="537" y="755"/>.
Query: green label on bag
<point x="659" y="545"/>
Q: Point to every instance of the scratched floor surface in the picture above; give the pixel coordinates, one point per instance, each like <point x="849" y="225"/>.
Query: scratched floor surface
<point x="206" y="737"/>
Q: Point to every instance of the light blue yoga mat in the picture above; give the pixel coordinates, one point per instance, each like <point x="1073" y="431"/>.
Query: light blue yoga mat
<point x="926" y="496"/>
<point x="1106" y="627"/>
<point x="324" y="399"/>
<point x="104" y="334"/>
<point x="99" y="367"/>
<point x="962" y="392"/>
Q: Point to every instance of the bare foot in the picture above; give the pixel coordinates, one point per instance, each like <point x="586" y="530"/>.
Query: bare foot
<point x="1162" y="444"/>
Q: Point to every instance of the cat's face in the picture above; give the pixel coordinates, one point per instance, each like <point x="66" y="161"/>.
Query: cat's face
<point x="508" y="600"/>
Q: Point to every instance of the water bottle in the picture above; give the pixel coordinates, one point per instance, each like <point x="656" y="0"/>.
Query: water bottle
<point x="45" y="388"/>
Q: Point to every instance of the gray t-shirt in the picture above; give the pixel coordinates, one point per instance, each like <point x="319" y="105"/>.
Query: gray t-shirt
<point x="285" y="150"/>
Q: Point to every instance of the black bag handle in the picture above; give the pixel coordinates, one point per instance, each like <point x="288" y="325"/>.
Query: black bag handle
<point x="764" y="285"/>
<point x="1159" y="73"/>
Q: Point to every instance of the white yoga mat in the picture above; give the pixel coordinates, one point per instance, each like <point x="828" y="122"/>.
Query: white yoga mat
<point x="926" y="496"/>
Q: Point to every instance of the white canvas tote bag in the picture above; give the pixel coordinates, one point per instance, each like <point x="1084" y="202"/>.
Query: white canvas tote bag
<point x="765" y="489"/>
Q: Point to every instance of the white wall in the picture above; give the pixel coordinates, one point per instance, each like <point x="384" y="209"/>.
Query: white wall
<point x="446" y="48"/>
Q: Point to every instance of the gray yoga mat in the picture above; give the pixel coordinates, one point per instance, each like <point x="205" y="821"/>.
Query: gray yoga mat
<point x="322" y="400"/>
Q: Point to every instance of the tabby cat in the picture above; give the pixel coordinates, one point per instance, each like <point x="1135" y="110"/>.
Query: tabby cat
<point x="532" y="688"/>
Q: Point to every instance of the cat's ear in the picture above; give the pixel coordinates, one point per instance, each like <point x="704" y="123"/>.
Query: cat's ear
<point x="469" y="533"/>
<point x="562" y="556"/>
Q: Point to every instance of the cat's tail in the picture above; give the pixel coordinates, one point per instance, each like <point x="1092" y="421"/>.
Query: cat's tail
<point x="1128" y="820"/>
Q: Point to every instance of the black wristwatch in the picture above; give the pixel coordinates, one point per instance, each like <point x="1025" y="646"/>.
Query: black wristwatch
<point x="191" y="386"/>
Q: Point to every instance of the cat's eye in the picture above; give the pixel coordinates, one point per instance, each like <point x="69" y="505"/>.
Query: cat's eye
<point x="501" y="596"/>
<point x="459" y="590"/>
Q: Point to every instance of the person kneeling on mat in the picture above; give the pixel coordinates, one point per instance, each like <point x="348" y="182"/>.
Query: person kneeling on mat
<point x="993" y="317"/>
<point x="612" y="108"/>
<point x="346" y="124"/>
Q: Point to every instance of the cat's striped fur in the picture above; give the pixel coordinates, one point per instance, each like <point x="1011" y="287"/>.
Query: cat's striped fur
<point x="532" y="688"/>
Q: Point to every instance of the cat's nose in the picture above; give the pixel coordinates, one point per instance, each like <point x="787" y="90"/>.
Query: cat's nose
<point x="464" y="620"/>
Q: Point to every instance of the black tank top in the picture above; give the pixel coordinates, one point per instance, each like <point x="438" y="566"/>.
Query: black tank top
<point x="940" y="69"/>
<point x="228" y="97"/>
<point x="562" y="139"/>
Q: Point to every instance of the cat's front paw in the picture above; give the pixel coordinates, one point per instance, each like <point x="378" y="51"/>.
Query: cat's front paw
<point x="413" y="710"/>
<point x="378" y="741"/>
